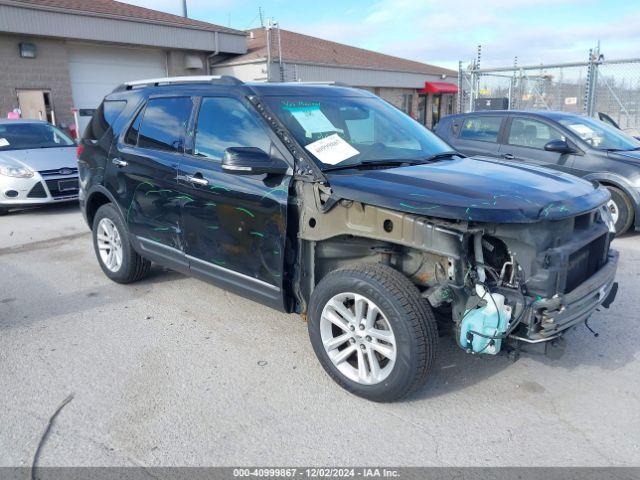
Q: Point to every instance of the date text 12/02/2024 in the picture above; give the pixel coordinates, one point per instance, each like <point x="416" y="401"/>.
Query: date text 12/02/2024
<point x="316" y="472"/>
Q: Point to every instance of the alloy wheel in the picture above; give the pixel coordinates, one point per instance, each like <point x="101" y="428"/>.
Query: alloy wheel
<point x="358" y="338"/>
<point x="109" y="244"/>
<point x="615" y="212"/>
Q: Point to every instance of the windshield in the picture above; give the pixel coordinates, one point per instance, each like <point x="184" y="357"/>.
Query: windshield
<point x="600" y="135"/>
<point x="343" y="131"/>
<point x="24" y="136"/>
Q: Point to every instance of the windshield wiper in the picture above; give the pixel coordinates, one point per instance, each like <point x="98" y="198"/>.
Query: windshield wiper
<point x="395" y="162"/>
<point x="373" y="163"/>
<point x="441" y="155"/>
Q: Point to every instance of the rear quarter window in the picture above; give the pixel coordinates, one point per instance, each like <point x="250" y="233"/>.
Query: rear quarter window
<point x="103" y="119"/>
<point x="455" y="127"/>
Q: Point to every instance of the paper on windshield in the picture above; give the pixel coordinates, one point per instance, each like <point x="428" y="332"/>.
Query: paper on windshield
<point x="332" y="149"/>
<point x="311" y="119"/>
<point x="4" y="142"/>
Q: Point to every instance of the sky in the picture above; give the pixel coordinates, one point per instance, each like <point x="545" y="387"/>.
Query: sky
<point x="443" y="32"/>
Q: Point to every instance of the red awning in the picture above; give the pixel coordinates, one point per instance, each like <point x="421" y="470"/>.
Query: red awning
<point x="439" y="87"/>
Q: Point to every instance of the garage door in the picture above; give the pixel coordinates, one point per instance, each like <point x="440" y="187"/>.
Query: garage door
<point x="96" y="70"/>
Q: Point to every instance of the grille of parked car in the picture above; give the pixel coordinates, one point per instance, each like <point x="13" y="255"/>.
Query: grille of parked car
<point x="37" y="191"/>
<point x="63" y="187"/>
<point x="59" y="171"/>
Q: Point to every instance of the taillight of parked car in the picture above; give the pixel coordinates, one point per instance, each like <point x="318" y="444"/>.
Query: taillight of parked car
<point x="79" y="150"/>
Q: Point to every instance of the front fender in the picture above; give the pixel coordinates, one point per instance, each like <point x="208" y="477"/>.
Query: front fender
<point x="624" y="185"/>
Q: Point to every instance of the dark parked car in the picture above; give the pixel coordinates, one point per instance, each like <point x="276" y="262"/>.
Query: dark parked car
<point x="570" y="143"/>
<point x="329" y="202"/>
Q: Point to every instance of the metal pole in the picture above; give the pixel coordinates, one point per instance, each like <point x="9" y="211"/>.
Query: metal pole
<point x="587" y="93"/>
<point x="459" y="102"/>
<point x="268" y="34"/>
<point x="280" y="53"/>
<point x="184" y="8"/>
<point x="594" y="82"/>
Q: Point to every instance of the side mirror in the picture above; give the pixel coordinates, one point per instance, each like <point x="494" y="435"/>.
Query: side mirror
<point x="558" y="146"/>
<point x="251" y="161"/>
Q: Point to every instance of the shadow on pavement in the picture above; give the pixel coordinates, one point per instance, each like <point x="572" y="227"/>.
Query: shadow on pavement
<point x="49" y="209"/>
<point x="611" y="350"/>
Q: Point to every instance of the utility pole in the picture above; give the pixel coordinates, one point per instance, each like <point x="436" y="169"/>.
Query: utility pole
<point x="268" y="35"/>
<point x="184" y="8"/>
<point x="261" y="14"/>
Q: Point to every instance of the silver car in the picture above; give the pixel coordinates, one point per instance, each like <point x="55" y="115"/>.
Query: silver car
<point x="37" y="164"/>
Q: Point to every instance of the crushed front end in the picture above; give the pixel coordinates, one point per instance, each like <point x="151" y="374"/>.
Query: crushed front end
<point x="501" y="274"/>
<point x="545" y="277"/>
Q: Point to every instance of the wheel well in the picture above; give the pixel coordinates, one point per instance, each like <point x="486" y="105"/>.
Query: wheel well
<point x="605" y="183"/>
<point x="93" y="204"/>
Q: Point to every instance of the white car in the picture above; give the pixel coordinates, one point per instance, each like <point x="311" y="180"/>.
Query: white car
<point x="37" y="164"/>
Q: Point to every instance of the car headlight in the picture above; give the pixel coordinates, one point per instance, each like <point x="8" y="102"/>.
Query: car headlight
<point x="607" y="218"/>
<point x="13" y="171"/>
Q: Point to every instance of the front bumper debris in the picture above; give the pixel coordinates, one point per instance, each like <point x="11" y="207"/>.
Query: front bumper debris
<point x="564" y="311"/>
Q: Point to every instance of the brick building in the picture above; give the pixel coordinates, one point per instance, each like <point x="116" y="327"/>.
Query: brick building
<point x="59" y="54"/>
<point x="63" y="54"/>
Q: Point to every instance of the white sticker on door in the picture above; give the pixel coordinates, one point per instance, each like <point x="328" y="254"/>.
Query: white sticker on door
<point x="332" y="149"/>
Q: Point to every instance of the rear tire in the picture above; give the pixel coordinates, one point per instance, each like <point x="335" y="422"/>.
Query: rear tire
<point x="620" y="205"/>
<point x="396" y="343"/>
<point x="117" y="258"/>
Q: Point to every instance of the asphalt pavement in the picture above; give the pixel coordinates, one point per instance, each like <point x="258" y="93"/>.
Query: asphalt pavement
<point x="172" y="371"/>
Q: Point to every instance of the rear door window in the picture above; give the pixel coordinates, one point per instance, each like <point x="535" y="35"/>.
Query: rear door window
<point x="485" y="129"/>
<point x="164" y="123"/>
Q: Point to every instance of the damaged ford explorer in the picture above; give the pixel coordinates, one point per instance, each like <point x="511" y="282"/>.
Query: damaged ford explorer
<point x="328" y="202"/>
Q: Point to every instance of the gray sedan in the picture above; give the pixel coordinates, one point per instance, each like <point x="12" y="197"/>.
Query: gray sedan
<point x="37" y="164"/>
<point x="562" y="141"/>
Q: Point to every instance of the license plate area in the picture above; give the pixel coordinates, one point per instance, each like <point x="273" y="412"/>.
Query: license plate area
<point x="68" y="185"/>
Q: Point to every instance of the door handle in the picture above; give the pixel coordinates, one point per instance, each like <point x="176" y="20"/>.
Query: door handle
<point x="197" y="179"/>
<point x="508" y="156"/>
<point x="119" y="163"/>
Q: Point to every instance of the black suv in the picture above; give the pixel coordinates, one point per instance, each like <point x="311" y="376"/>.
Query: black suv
<point x="576" y="144"/>
<point x="328" y="202"/>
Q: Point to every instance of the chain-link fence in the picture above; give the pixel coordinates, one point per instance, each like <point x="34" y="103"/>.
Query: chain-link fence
<point x="601" y="88"/>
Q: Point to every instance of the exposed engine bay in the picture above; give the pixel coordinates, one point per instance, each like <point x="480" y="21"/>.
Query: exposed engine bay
<point x="500" y="283"/>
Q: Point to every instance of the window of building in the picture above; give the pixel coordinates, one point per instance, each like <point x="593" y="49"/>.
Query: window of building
<point x="407" y="103"/>
<point x="224" y="123"/>
<point x="532" y="133"/>
<point x="485" y="129"/>
<point x="164" y="123"/>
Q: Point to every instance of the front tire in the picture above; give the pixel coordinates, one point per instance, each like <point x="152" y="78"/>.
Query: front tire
<point x="372" y="331"/>
<point x="117" y="258"/>
<point x="621" y="209"/>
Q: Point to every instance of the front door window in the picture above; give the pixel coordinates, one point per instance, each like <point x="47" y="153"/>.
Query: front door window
<point x="532" y="133"/>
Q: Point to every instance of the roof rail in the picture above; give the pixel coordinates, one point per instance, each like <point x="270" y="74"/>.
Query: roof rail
<point x="320" y="82"/>
<point x="155" y="82"/>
